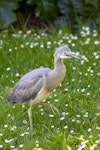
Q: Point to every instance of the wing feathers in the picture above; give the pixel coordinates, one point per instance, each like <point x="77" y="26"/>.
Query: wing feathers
<point x="28" y="86"/>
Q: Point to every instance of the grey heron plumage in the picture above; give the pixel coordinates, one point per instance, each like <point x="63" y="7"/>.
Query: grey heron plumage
<point x="39" y="83"/>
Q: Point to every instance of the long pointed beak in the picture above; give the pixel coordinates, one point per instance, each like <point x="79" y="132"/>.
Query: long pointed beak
<point x="73" y="55"/>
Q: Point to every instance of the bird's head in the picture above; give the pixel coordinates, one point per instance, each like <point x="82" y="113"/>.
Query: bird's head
<point x="64" y="52"/>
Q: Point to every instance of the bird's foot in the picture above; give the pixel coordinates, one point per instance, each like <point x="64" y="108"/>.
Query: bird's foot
<point x="53" y="108"/>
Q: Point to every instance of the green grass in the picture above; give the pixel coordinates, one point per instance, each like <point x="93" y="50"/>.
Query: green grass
<point x="77" y="98"/>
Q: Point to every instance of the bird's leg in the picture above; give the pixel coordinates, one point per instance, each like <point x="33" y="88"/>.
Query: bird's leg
<point x="30" y="117"/>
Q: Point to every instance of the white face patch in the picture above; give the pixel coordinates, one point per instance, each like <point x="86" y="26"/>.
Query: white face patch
<point x="64" y="57"/>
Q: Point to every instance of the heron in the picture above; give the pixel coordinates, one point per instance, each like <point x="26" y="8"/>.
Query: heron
<point x="38" y="84"/>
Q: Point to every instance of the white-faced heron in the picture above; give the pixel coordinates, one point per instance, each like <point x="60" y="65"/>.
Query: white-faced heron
<point x="37" y="85"/>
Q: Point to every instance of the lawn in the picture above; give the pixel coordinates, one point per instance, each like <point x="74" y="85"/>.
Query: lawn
<point x="77" y="127"/>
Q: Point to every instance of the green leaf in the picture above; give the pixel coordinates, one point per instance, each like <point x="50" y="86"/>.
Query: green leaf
<point x="31" y="2"/>
<point x="95" y="3"/>
<point x="6" y="18"/>
<point x="65" y="6"/>
<point x="46" y="9"/>
<point x="7" y="14"/>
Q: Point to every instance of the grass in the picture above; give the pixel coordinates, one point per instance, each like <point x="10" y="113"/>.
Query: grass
<point x="77" y="98"/>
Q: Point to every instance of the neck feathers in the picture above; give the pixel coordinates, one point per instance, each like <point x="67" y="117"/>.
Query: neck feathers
<point x="56" y="76"/>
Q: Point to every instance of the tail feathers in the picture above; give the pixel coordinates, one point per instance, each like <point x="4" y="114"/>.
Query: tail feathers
<point x="11" y="98"/>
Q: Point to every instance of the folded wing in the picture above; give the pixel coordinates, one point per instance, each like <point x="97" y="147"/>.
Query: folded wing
<point x="28" y="86"/>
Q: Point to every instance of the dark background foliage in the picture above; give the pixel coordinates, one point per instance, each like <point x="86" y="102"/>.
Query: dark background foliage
<point x="44" y="12"/>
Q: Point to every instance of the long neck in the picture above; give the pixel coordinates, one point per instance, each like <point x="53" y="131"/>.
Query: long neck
<point x="59" y="69"/>
<point x="58" y="64"/>
<point x="56" y="76"/>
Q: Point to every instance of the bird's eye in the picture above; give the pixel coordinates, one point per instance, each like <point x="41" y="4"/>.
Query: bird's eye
<point x="65" y="53"/>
